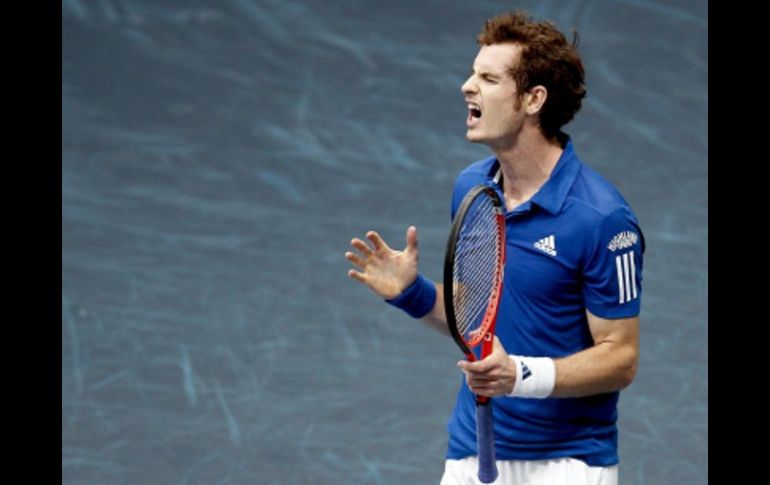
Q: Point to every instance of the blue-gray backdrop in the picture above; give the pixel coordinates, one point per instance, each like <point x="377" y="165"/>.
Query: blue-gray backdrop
<point x="217" y="157"/>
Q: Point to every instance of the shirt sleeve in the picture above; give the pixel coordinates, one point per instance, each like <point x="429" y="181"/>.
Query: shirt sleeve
<point x="613" y="270"/>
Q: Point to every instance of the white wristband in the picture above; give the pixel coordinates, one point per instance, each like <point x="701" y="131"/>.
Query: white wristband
<point x="535" y="376"/>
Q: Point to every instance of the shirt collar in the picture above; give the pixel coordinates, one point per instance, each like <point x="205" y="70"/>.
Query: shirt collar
<point x="554" y="191"/>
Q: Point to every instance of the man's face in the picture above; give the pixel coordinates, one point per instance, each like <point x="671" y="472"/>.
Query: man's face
<point x="495" y="116"/>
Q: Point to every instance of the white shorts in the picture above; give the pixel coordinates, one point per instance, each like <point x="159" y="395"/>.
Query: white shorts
<point x="560" y="471"/>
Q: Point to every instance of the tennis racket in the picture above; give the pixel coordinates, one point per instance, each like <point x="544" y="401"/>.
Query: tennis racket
<point x="473" y="280"/>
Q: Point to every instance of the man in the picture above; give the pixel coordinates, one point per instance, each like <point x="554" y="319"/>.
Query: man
<point x="567" y="330"/>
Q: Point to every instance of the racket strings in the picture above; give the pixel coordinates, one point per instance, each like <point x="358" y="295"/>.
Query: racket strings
<point x="475" y="273"/>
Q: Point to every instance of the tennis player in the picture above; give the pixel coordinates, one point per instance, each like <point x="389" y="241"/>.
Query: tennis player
<point x="568" y="326"/>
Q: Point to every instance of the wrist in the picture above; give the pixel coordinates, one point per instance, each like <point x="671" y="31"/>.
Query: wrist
<point x="535" y="377"/>
<point x="417" y="299"/>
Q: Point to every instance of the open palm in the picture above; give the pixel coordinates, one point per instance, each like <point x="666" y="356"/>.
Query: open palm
<point x="386" y="271"/>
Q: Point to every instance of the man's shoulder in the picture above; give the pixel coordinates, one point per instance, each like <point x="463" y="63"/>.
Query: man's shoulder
<point x="593" y="192"/>
<point x="594" y="201"/>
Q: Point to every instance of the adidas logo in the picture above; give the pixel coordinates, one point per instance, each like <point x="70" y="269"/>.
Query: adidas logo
<point x="547" y="245"/>
<point x="525" y="371"/>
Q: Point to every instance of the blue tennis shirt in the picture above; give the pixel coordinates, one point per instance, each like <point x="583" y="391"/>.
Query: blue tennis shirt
<point x="575" y="245"/>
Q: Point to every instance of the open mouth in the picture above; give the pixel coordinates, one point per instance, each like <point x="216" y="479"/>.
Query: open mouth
<point x="474" y="112"/>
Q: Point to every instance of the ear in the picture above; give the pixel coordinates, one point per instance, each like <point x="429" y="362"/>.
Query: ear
<point x="534" y="99"/>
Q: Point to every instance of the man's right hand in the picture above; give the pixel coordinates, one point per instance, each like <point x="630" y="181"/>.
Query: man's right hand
<point x="386" y="271"/>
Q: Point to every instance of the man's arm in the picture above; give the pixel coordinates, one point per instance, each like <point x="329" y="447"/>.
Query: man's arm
<point x="609" y="365"/>
<point x="436" y="319"/>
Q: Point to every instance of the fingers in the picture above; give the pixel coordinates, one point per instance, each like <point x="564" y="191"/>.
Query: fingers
<point x="477" y="367"/>
<point x="411" y="239"/>
<point x="355" y="259"/>
<point x="483" y="385"/>
<point x="361" y="246"/>
<point x="380" y="245"/>
<point x="497" y="346"/>
<point x="487" y="370"/>
<point x="484" y="390"/>
<point x="377" y="241"/>
<point x="489" y="383"/>
<point x="495" y="375"/>
<point x="356" y="275"/>
<point x="489" y="363"/>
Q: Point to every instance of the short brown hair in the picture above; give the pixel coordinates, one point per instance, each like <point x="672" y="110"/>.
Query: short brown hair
<point x="547" y="59"/>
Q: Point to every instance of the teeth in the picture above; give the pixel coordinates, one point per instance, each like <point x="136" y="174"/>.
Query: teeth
<point x="474" y="110"/>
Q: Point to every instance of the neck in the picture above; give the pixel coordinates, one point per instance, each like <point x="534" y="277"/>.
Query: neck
<point x="526" y="165"/>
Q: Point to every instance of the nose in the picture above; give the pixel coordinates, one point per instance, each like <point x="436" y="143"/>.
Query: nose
<point x="469" y="87"/>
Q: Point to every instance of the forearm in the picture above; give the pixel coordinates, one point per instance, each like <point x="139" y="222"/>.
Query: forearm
<point x="436" y="318"/>
<point x="608" y="366"/>
<point x="423" y="299"/>
<point x="605" y="367"/>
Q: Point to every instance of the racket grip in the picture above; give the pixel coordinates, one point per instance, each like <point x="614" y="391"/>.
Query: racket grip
<point x="485" y="435"/>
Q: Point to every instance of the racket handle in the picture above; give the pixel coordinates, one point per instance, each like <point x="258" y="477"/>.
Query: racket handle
<point x="485" y="435"/>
